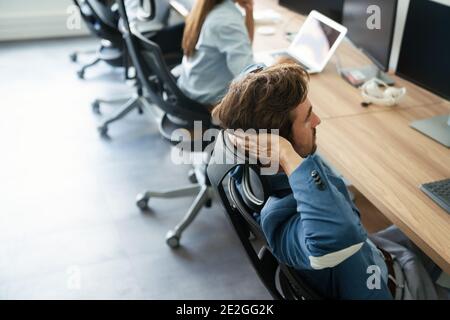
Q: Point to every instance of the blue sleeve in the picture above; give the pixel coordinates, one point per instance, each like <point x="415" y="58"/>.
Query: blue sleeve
<point x="322" y="231"/>
<point x="356" y="287"/>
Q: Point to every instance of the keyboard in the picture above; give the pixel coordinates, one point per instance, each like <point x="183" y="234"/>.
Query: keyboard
<point x="439" y="192"/>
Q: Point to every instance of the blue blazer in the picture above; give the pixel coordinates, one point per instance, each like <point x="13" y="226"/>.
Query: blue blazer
<point x="312" y="225"/>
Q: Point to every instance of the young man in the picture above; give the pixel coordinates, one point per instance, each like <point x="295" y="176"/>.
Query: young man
<point x="310" y="221"/>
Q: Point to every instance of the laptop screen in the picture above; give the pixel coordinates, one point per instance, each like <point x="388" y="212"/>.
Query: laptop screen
<point x="314" y="42"/>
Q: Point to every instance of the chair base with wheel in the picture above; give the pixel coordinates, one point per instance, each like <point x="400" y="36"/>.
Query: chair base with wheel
<point x="200" y="186"/>
<point x="108" y="53"/>
<point x="203" y="198"/>
<point x="136" y="102"/>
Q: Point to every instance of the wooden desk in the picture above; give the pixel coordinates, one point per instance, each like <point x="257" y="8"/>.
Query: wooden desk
<point x="374" y="147"/>
<point x="387" y="161"/>
<point x="329" y="93"/>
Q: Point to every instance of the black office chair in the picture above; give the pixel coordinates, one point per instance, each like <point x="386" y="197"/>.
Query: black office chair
<point x="282" y="281"/>
<point x="102" y="22"/>
<point x="177" y="112"/>
<point x="157" y="25"/>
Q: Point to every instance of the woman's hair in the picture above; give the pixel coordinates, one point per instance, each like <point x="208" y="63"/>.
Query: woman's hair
<point x="264" y="99"/>
<point x="194" y="23"/>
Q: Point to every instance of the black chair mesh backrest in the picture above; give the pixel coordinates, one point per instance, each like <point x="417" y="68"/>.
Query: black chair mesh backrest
<point x="162" y="11"/>
<point x="282" y="281"/>
<point x="156" y="78"/>
<point x="100" y="20"/>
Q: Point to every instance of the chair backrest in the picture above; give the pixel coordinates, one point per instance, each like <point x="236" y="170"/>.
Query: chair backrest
<point x="162" y="10"/>
<point x="156" y="78"/>
<point x="282" y="281"/>
<point x="100" y="20"/>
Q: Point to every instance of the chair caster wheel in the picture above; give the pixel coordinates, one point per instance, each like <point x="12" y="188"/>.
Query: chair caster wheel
<point x="142" y="201"/>
<point x="103" y="130"/>
<point x="80" y="74"/>
<point x="208" y="203"/>
<point x="140" y="111"/>
<point x="96" y="107"/>
<point x="191" y="176"/>
<point x="172" y="239"/>
<point x="73" y="57"/>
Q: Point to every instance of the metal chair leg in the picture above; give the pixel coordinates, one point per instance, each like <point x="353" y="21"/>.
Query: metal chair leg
<point x="80" y="72"/>
<point x="174" y="235"/>
<point x="174" y="193"/>
<point x="130" y="105"/>
<point x="204" y="195"/>
<point x="114" y="100"/>
<point x="96" y="103"/>
<point x="143" y="198"/>
<point x="74" y="56"/>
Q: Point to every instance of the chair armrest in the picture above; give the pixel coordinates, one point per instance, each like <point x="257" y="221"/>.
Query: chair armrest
<point x="176" y="71"/>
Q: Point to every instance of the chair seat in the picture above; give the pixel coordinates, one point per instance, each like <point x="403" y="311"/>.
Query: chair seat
<point x="110" y="53"/>
<point x="184" y="137"/>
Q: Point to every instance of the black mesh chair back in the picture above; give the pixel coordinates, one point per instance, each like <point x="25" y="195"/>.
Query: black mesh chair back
<point x="282" y="281"/>
<point x="100" y="20"/>
<point x="159" y="83"/>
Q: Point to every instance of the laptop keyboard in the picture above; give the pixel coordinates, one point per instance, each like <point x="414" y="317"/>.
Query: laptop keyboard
<point x="439" y="191"/>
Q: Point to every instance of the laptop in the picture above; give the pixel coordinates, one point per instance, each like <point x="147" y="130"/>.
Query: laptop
<point x="314" y="44"/>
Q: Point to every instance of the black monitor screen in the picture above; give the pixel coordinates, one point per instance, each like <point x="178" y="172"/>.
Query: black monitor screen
<point x="370" y="27"/>
<point x="425" y="51"/>
<point x="331" y="8"/>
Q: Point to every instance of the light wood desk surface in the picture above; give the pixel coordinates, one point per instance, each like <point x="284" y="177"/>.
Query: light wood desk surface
<point x="374" y="147"/>
<point x="329" y="93"/>
<point x="387" y="161"/>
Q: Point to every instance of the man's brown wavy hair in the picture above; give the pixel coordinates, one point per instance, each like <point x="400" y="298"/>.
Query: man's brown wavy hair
<point x="264" y="99"/>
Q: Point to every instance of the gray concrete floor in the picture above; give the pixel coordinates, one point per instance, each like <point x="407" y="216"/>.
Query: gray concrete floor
<point x="69" y="227"/>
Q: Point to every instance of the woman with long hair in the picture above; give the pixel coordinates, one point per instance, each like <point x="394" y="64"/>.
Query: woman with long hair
<point x="217" y="46"/>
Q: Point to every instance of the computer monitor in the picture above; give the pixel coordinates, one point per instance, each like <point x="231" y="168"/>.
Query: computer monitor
<point x="372" y="36"/>
<point x="425" y="59"/>
<point x="331" y="8"/>
<point x="371" y="25"/>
